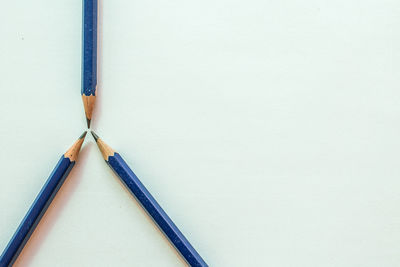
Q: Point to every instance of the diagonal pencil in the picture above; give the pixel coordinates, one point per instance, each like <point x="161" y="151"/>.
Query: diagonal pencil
<point x="89" y="57"/>
<point x="41" y="203"/>
<point x="136" y="188"/>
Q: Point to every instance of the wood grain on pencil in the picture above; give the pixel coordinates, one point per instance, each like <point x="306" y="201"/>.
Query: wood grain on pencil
<point x="88" y="104"/>
<point x="105" y="149"/>
<point x="73" y="152"/>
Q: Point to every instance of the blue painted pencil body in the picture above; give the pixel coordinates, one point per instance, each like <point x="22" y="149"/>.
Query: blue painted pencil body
<point x="89" y="54"/>
<point x="41" y="203"/>
<point x="147" y="201"/>
<point x="89" y="57"/>
<point x="36" y="211"/>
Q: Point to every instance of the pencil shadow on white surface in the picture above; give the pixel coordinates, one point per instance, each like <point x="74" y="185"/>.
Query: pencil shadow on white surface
<point x="146" y="217"/>
<point x="97" y="107"/>
<point x="52" y="214"/>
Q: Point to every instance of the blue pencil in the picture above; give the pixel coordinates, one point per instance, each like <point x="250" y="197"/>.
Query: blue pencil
<point x="89" y="57"/>
<point x="151" y="206"/>
<point x="41" y="203"/>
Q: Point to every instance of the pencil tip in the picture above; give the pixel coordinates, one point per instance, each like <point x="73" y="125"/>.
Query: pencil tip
<point x="88" y="103"/>
<point x="95" y="136"/>
<point x="105" y="150"/>
<point x="83" y="135"/>
<point x="73" y="152"/>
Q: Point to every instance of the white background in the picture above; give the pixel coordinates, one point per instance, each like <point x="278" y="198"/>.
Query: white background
<point x="267" y="130"/>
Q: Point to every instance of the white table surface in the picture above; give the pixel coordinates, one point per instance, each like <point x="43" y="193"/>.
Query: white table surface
<point x="268" y="131"/>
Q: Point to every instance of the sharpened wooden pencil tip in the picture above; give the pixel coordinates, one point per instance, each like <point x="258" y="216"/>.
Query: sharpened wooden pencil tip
<point x="73" y="152"/>
<point x="88" y="104"/>
<point x="106" y="151"/>
<point x="95" y="136"/>
<point x="83" y="135"/>
<point x="88" y="123"/>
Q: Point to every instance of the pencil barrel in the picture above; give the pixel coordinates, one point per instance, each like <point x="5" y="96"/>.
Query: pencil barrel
<point x="151" y="206"/>
<point x="36" y="211"/>
<point x="89" y="42"/>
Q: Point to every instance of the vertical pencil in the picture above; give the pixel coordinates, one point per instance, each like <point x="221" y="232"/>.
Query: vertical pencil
<point x="41" y="203"/>
<point x="136" y="188"/>
<point x="89" y="57"/>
